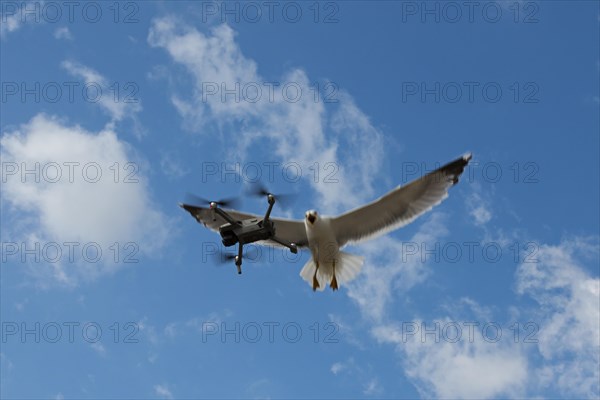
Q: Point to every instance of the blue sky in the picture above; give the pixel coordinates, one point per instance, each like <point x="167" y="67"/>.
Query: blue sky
<point x="493" y="294"/>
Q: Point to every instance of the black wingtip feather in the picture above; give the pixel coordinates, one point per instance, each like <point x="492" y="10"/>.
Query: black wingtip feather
<point x="455" y="168"/>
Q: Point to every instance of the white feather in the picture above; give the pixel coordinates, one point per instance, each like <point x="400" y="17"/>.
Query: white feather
<point x="347" y="267"/>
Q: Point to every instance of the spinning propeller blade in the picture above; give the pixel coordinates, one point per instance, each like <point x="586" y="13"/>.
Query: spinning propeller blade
<point x="221" y="258"/>
<point x="259" y="190"/>
<point x="230" y="202"/>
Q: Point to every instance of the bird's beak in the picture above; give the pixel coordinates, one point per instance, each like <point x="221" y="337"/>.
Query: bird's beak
<point x="311" y="218"/>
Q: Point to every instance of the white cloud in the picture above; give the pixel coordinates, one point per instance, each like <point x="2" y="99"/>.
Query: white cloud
<point x="163" y="392"/>
<point x="99" y="348"/>
<point x="568" y="339"/>
<point x="302" y="131"/>
<point x="465" y="369"/>
<point x="71" y="203"/>
<point x="117" y="106"/>
<point x="372" y="388"/>
<point x="172" y="167"/>
<point x="218" y="318"/>
<point x="174" y="329"/>
<point x="149" y="331"/>
<point x="9" y="24"/>
<point x="347" y="331"/>
<point x="337" y="367"/>
<point x="478" y="371"/>
<point x="479" y="209"/>
<point x="63" y="33"/>
<point x="360" y="374"/>
<point x="481" y="214"/>
<point x="13" y="16"/>
<point x="171" y="330"/>
<point x="569" y="335"/>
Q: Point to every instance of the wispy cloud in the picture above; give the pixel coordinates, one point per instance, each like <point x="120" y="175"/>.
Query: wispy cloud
<point x="373" y="388"/>
<point x="98" y="348"/>
<point x="362" y="375"/>
<point x="9" y="24"/>
<point x="116" y="107"/>
<point x="163" y="392"/>
<point x="172" y="167"/>
<point x="12" y="19"/>
<point x="337" y="367"/>
<point x="63" y="33"/>
<point x="383" y="275"/>
<point x="479" y="209"/>
<point x="568" y="297"/>
<point x="303" y="131"/>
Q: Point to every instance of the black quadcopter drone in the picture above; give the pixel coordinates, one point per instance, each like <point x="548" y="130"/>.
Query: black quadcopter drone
<point x="240" y="228"/>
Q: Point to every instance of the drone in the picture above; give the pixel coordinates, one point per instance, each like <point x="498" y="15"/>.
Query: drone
<point x="242" y="229"/>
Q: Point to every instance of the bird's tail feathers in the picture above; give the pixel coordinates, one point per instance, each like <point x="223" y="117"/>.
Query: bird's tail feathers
<point x="308" y="272"/>
<point x="347" y="268"/>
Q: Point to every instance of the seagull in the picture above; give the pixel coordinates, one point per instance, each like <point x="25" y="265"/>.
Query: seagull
<point x="324" y="236"/>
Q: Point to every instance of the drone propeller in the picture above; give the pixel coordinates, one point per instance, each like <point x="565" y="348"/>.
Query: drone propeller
<point x="222" y="257"/>
<point x="230" y="202"/>
<point x="259" y="190"/>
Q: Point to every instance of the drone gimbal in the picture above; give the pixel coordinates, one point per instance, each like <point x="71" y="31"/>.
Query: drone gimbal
<point x="249" y="231"/>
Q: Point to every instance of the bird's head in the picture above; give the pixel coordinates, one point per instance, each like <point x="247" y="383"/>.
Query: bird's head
<point x="311" y="216"/>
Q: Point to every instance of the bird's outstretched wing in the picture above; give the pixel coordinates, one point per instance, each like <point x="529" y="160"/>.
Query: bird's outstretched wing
<point x="288" y="230"/>
<point x="400" y="206"/>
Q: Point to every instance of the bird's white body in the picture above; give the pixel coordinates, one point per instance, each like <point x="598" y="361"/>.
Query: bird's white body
<point x="321" y="241"/>
<point x="328" y="265"/>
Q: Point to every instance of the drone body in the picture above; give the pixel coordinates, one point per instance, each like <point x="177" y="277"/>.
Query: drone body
<point x="325" y="236"/>
<point x="249" y="231"/>
<point x="241" y="228"/>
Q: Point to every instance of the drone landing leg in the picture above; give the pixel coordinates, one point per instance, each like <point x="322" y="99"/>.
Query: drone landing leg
<point x="238" y="259"/>
<point x="292" y="246"/>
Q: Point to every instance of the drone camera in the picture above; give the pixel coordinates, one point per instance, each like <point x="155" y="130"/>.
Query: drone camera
<point x="228" y="236"/>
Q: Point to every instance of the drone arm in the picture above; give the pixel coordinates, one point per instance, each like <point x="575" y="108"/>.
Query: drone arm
<point x="225" y="216"/>
<point x="292" y="246"/>
<point x="271" y="204"/>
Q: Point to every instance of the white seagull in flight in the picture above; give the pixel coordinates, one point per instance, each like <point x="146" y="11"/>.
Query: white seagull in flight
<point x="325" y="236"/>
